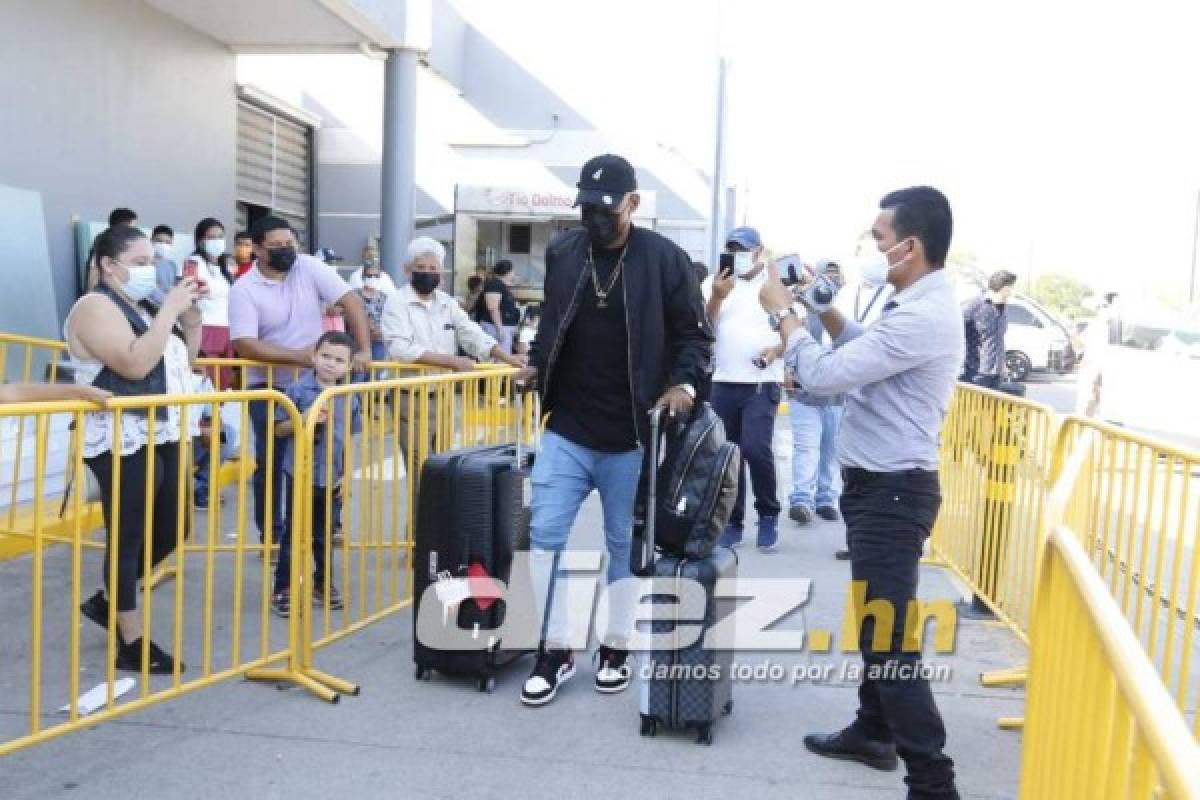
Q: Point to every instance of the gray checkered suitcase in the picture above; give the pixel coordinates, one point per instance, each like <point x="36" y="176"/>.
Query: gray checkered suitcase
<point x="689" y="686"/>
<point x="692" y="686"/>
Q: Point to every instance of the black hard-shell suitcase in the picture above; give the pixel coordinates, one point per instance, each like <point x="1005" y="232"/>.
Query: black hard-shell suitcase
<point x="470" y="510"/>
<point x="692" y="686"/>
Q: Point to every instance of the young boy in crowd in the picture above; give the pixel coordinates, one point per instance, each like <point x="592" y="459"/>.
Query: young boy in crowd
<point x="332" y="357"/>
<point x="228" y="433"/>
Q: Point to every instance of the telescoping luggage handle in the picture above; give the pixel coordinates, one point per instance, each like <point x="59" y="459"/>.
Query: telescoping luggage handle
<point x="537" y="423"/>
<point x="652" y="490"/>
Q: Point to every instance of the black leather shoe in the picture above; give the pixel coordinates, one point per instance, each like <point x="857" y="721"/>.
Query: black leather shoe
<point x="842" y="555"/>
<point x="850" y="745"/>
<point x="827" y="513"/>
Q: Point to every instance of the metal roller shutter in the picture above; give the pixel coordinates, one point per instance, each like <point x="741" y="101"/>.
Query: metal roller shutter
<point x="274" y="167"/>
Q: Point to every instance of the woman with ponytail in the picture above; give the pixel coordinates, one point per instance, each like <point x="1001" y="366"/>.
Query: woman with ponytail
<point x="120" y="344"/>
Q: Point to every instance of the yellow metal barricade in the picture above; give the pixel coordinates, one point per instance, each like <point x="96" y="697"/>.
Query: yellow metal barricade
<point x="1137" y="513"/>
<point x="387" y="430"/>
<point x="24" y="359"/>
<point x="232" y="373"/>
<point x="27" y="358"/>
<point x="996" y="465"/>
<point x="1100" y="721"/>
<point x="216" y="617"/>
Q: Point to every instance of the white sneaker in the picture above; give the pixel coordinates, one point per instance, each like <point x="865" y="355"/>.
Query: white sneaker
<point x="614" y="672"/>
<point x="551" y="669"/>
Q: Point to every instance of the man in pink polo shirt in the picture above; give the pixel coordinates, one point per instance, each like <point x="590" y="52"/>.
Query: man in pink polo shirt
<point x="275" y="316"/>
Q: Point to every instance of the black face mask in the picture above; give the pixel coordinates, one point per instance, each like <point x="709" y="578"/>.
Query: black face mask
<point x="601" y="225"/>
<point x="281" y="258"/>
<point x="425" y="282"/>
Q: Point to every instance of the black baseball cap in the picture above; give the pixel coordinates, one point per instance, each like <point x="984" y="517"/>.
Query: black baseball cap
<point x="605" y="180"/>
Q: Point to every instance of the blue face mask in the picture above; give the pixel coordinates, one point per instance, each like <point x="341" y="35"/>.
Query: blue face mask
<point x="141" y="283"/>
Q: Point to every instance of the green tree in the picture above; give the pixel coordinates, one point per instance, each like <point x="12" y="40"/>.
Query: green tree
<point x="1061" y="294"/>
<point x="965" y="268"/>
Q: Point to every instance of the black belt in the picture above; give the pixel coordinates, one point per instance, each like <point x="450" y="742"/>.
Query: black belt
<point x="758" y="387"/>
<point x="861" y="477"/>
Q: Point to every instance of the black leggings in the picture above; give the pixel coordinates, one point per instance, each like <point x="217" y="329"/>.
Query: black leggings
<point x="132" y="524"/>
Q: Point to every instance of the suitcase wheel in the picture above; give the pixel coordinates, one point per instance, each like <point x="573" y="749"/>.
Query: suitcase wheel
<point x="728" y="709"/>
<point x="649" y="726"/>
<point x="704" y="734"/>
<point x="423" y="674"/>
<point x="486" y="684"/>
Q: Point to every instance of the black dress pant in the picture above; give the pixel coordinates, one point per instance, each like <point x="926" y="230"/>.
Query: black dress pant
<point x="888" y="517"/>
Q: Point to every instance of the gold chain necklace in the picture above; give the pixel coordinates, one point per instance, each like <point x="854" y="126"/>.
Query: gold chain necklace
<point x="602" y="294"/>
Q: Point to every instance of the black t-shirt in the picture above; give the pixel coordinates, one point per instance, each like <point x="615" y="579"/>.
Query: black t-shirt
<point x="509" y="314"/>
<point x="593" y="403"/>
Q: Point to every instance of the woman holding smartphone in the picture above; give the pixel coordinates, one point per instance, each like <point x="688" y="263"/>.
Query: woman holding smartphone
<point x="206" y="265"/>
<point x="120" y="344"/>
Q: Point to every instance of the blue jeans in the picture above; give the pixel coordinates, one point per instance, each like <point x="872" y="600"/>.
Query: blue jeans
<point x="815" y="478"/>
<point x="503" y="336"/>
<point x="748" y="412"/>
<point x="202" y="457"/>
<point x="564" y="474"/>
<point x="258" y="421"/>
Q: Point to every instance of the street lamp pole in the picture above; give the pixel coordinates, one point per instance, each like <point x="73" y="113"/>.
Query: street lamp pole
<point x="1195" y="236"/>
<point x="718" y="174"/>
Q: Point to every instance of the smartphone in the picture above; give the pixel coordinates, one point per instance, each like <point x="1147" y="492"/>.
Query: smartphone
<point x="725" y="265"/>
<point x="192" y="270"/>
<point x="792" y="270"/>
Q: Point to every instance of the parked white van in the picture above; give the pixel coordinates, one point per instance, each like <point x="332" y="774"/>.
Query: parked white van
<point x="1035" y="340"/>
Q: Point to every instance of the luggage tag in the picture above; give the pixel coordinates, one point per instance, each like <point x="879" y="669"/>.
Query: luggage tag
<point x="484" y="588"/>
<point x="450" y="592"/>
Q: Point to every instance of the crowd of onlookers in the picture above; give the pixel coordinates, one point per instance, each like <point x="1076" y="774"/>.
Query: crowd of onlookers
<point x="145" y="318"/>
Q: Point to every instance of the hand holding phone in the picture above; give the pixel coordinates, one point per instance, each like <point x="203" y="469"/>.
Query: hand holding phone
<point x="191" y="269"/>
<point x="723" y="281"/>
<point x="793" y="271"/>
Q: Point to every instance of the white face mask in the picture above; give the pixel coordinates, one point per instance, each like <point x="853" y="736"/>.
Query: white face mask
<point x="371" y="283"/>
<point x="162" y="249"/>
<point x="141" y="283"/>
<point x="214" y="248"/>
<point x="743" y="263"/>
<point x="874" y="266"/>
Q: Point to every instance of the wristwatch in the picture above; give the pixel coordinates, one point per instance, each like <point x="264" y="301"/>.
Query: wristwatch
<point x="687" y="389"/>
<point x="776" y="318"/>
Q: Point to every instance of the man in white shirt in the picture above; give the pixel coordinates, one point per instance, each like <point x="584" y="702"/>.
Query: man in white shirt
<point x="747" y="380"/>
<point x="424" y="325"/>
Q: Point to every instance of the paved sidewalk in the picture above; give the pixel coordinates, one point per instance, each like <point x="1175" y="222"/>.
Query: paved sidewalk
<point x="402" y="738"/>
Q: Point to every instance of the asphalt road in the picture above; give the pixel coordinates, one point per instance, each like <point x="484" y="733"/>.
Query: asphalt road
<point x="1058" y="392"/>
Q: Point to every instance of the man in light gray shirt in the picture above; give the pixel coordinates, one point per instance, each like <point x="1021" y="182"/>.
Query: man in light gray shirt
<point x="898" y="375"/>
<point x="423" y="325"/>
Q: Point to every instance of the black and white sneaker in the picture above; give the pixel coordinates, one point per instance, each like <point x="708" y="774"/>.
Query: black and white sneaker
<point x="552" y="668"/>
<point x="613" y="672"/>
